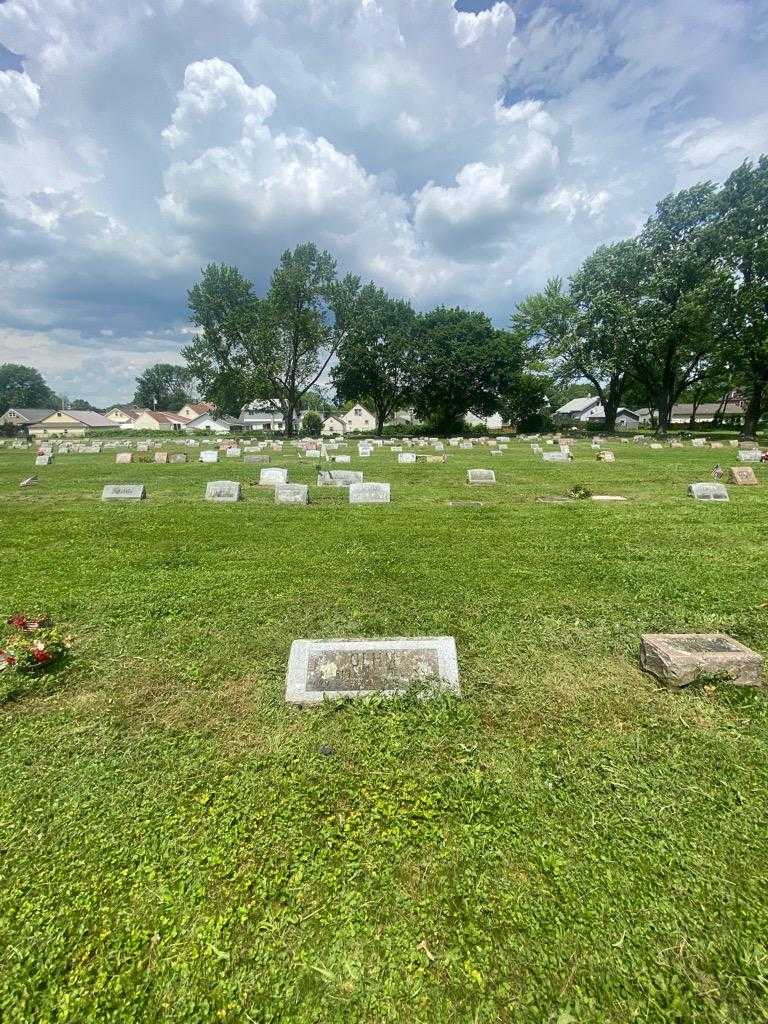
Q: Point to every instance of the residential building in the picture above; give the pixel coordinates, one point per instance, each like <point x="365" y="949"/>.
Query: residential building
<point x="264" y="414"/>
<point x="23" y="418"/>
<point x="332" y="425"/>
<point x="214" y="424"/>
<point x="123" y="415"/>
<point x="358" y="418"/>
<point x="590" y="410"/>
<point x="705" y="413"/>
<point x="194" y="409"/>
<point x="492" y="422"/>
<point x="70" y="423"/>
<point x="153" y="419"/>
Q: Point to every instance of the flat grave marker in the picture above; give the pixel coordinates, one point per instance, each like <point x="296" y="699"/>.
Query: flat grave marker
<point x="123" y="458"/>
<point x="291" y="494"/>
<point x="124" y="492"/>
<point x="370" y="493"/>
<point x="223" y="491"/>
<point x="321" y="670"/>
<point x="338" y="477"/>
<point x="749" y="455"/>
<point x="481" y="476"/>
<point x="742" y="476"/>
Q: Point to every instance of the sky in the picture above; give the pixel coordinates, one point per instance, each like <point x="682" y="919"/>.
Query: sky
<point x="458" y="154"/>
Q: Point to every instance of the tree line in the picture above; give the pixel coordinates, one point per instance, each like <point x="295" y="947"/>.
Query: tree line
<point x="680" y="309"/>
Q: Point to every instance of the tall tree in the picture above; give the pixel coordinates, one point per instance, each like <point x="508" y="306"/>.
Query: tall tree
<point x="589" y="331"/>
<point x="24" y="387"/>
<point x="276" y="348"/>
<point x="683" y="294"/>
<point x="163" y="386"/>
<point x="462" y="363"/>
<point x="376" y="360"/>
<point x="739" y="242"/>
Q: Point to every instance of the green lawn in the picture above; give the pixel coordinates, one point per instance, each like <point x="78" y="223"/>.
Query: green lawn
<point x="567" y="844"/>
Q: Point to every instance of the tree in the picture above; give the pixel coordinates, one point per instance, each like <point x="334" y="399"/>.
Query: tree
<point x="682" y="293"/>
<point x="312" y="424"/>
<point x="589" y="332"/>
<point x="163" y="386"/>
<point x="81" y="405"/>
<point x="738" y="239"/>
<point x="376" y="360"/>
<point x="462" y="363"/>
<point x="276" y="348"/>
<point x="23" y="387"/>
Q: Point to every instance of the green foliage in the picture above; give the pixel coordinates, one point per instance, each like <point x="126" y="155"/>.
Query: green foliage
<point x="376" y="362"/>
<point x="277" y="347"/>
<point x="163" y="386"/>
<point x="23" y="387"/>
<point x="312" y="424"/>
<point x="555" y="845"/>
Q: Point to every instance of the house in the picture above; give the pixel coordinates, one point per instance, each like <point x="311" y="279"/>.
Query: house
<point x="219" y="424"/>
<point x="192" y="410"/>
<point x="590" y="410"/>
<point x="153" y="419"/>
<point x="705" y="413"/>
<point x="358" y="418"/>
<point x="70" y="423"/>
<point x="23" y="418"/>
<point x="123" y="415"/>
<point x="332" y="425"/>
<point x="264" y="414"/>
<point x="492" y="422"/>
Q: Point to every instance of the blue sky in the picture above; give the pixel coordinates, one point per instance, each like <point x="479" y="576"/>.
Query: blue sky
<point x="453" y="155"/>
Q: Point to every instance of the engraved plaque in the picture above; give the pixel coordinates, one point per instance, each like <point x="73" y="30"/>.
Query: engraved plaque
<point x="370" y="670"/>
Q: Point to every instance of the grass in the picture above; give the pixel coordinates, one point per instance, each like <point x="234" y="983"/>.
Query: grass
<point x="568" y="844"/>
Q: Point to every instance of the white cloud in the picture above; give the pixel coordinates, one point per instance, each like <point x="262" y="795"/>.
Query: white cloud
<point x="19" y="97"/>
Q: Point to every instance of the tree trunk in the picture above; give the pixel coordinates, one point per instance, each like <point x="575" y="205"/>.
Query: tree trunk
<point x="754" y="409"/>
<point x="288" y="418"/>
<point x="665" y="414"/>
<point x="610" y="408"/>
<point x="692" y="420"/>
<point x="381" y="415"/>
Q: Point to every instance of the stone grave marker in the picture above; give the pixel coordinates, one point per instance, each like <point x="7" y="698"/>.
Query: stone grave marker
<point x="742" y="476"/>
<point x="733" y="443"/>
<point x="234" y="453"/>
<point x="556" y="456"/>
<point x="256" y="459"/>
<point x="123" y="492"/>
<point x="749" y="455"/>
<point x="272" y="476"/>
<point x="406" y="458"/>
<point x="208" y="455"/>
<point x="123" y="458"/>
<point x="608" y="497"/>
<point x="698" y="442"/>
<point x="223" y="490"/>
<point x="746" y="446"/>
<point x="291" y="494"/>
<point x="43" y="460"/>
<point x="716" y="444"/>
<point x="434" y="458"/>
<point x="370" y="493"/>
<point x="481" y="476"/>
<point x="338" y="477"/>
<point x="606" y="457"/>
<point x="679" y="658"/>
<point x="177" y="459"/>
<point x="342" y="460"/>
<point x="708" y="492"/>
<point x="332" y="669"/>
<point x="656" y="446"/>
<point x="161" y="458"/>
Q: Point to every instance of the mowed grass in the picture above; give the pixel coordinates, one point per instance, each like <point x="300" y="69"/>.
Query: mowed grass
<point x="569" y="843"/>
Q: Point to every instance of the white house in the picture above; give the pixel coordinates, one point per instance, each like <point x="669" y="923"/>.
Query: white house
<point x="153" y="419"/>
<point x="492" y="422"/>
<point x="192" y="410"/>
<point x="358" y="418"/>
<point x="124" y="416"/>
<point x="332" y="425"/>
<point x="15" y="417"/>
<point x="69" y="423"/>
<point x="219" y="424"/>
<point x="590" y="410"/>
<point x="264" y="414"/>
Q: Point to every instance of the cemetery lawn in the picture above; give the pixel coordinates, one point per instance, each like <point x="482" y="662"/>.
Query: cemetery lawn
<point x="567" y="844"/>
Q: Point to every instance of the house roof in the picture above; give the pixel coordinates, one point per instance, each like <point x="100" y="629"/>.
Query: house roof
<point x="30" y="415"/>
<point x="87" y="417"/>
<point x="133" y="411"/>
<point x="200" y="408"/>
<point x="577" y="405"/>
<point x="226" y="421"/>
<point x="164" y="417"/>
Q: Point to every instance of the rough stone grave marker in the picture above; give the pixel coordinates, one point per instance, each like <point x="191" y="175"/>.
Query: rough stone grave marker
<point x="742" y="476"/>
<point x="678" y="658"/>
<point x="123" y="492"/>
<point x="123" y="458"/>
<point x="291" y="494"/>
<point x="161" y="458"/>
<point x="481" y="476"/>
<point x="606" y="457"/>
<point x="708" y="492"/>
<point x="223" y="490"/>
<point x="370" y="493"/>
<point x="331" y="669"/>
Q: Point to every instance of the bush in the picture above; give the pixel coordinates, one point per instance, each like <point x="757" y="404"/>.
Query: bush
<point x="312" y="424"/>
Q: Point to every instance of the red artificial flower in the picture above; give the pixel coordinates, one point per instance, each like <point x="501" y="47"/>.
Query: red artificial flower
<point x="19" y="621"/>
<point x="7" y="658"/>
<point x="41" y="657"/>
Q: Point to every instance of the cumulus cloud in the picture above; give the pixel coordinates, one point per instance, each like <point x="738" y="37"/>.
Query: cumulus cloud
<point x="453" y="156"/>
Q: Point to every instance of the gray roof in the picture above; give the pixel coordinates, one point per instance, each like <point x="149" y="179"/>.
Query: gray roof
<point x="89" y="418"/>
<point x="578" y="404"/>
<point x="30" y="415"/>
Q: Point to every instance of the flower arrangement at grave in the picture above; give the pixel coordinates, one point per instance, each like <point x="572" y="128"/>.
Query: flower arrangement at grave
<point x="577" y="491"/>
<point x="35" y="643"/>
